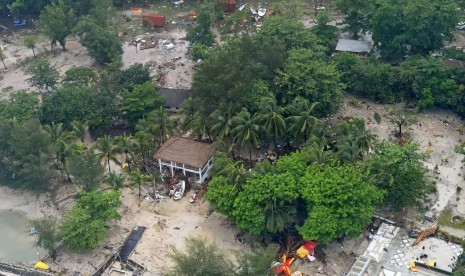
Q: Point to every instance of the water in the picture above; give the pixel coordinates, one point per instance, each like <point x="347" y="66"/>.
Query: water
<point x="16" y="243"/>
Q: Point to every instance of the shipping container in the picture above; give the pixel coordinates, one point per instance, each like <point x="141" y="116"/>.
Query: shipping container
<point x="155" y="19"/>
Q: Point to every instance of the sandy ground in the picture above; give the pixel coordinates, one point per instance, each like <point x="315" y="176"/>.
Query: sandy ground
<point x="171" y="67"/>
<point x="436" y="131"/>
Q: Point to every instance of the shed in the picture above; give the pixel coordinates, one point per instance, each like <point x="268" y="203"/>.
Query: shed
<point x="173" y="97"/>
<point x="191" y="158"/>
<point x="156" y="19"/>
<point x="354" y="46"/>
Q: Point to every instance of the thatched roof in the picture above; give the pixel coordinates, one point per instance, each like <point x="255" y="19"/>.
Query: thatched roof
<point x="187" y="152"/>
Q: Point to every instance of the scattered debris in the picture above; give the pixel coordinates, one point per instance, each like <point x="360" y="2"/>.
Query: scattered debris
<point x="423" y="234"/>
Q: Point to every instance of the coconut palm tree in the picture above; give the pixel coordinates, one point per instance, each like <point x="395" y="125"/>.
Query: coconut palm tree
<point x="270" y="116"/>
<point x="301" y="122"/>
<point x="116" y="181"/>
<point x="138" y="179"/>
<point x="246" y="131"/>
<point x="200" y="125"/>
<point x="126" y="144"/>
<point x="276" y="217"/>
<point x="80" y="130"/>
<point x="163" y="123"/>
<point x="107" y="150"/>
<point x="143" y="141"/>
<point x="222" y="122"/>
<point x="65" y="150"/>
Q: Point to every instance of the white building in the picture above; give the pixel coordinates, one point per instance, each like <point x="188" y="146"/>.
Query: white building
<point x="182" y="156"/>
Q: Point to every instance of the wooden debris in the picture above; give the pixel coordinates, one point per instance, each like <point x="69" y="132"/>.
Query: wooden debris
<point x="423" y="234"/>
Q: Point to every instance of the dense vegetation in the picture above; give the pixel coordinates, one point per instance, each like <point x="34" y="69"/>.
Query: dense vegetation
<point x="275" y="86"/>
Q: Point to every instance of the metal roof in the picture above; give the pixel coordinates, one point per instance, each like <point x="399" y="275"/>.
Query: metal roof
<point x="354" y="46"/>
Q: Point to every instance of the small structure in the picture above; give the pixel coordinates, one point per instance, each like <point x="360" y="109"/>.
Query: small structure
<point x="173" y="97"/>
<point x="155" y="19"/>
<point x="354" y="46"/>
<point x="191" y="158"/>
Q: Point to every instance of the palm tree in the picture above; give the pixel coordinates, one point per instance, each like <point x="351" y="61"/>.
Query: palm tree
<point x="271" y="117"/>
<point x="116" y="181"/>
<point x="164" y="124"/>
<point x="80" y="130"/>
<point x="200" y="126"/>
<point x="142" y="140"/>
<point x="126" y="145"/>
<point x="363" y="137"/>
<point x="107" y="150"/>
<point x="222" y="122"/>
<point x="276" y="217"/>
<point x="65" y="151"/>
<point x="63" y="146"/>
<point x="246" y="131"/>
<point x="2" y="57"/>
<point x="138" y="179"/>
<point x="301" y="122"/>
<point x="348" y="150"/>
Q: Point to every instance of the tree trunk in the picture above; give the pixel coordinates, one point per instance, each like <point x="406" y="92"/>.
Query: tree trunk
<point x="33" y="52"/>
<point x="275" y="145"/>
<point x="108" y="161"/>
<point x="250" y="154"/>
<point x="400" y="130"/>
<point x="4" y="64"/>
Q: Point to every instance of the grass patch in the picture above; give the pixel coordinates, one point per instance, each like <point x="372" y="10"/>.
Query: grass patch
<point x="446" y="220"/>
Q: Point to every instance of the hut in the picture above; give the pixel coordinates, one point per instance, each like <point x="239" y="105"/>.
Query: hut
<point x="182" y="156"/>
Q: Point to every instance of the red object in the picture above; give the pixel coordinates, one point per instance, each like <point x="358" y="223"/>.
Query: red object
<point x="231" y="5"/>
<point x="157" y="20"/>
<point x="310" y="246"/>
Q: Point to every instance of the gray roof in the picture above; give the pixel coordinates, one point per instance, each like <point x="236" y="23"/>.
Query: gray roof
<point x="173" y="97"/>
<point x="354" y="46"/>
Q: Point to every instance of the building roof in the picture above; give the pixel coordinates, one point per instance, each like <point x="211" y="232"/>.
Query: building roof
<point x="354" y="46"/>
<point x="173" y="97"/>
<point x="182" y="151"/>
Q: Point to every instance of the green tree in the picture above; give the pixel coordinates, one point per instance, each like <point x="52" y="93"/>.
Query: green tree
<point x="85" y="226"/>
<point x="163" y="123"/>
<point x="199" y="258"/>
<point x="58" y="20"/>
<point x="202" y="32"/>
<point x="355" y="15"/>
<point x="134" y="75"/>
<point x="87" y="170"/>
<point x="289" y="32"/>
<point x="222" y="122"/>
<point x="116" y="181"/>
<point x="340" y="199"/>
<point x="21" y="105"/>
<point x="138" y="179"/>
<point x="107" y="150"/>
<point x="301" y="121"/>
<point x="257" y="262"/>
<point x="126" y="144"/>
<point x="79" y="130"/>
<point x="44" y="75"/>
<point x="266" y="203"/>
<point x="246" y="131"/>
<point x="79" y="76"/>
<point x="402" y="118"/>
<point x="271" y="117"/>
<point x="200" y="125"/>
<point x="399" y="170"/>
<point x="142" y="100"/>
<point x="422" y="25"/>
<point x="48" y="234"/>
<point x="32" y="150"/>
<point x="30" y="43"/>
<point x="103" y="45"/>
<point x="327" y="33"/>
<point x="305" y="75"/>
